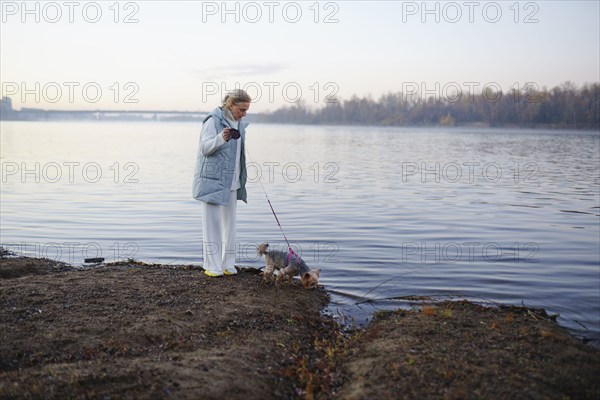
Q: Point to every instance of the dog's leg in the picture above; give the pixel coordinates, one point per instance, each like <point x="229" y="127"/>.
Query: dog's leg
<point x="283" y="274"/>
<point x="280" y="276"/>
<point x="268" y="274"/>
<point x="289" y="272"/>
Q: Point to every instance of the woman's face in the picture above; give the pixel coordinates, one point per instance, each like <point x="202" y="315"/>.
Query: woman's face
<point x="239" y="110"/>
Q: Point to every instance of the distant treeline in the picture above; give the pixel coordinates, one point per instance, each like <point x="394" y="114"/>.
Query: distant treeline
<point x="564" y="106"/>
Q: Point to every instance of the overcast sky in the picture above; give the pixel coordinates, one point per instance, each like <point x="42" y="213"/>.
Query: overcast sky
<point x="155" y="55"/>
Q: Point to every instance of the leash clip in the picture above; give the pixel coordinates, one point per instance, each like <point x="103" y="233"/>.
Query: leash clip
<point x="290" y="253"/>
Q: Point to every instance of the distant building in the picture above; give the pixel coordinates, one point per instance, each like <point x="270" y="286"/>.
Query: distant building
<point x="6" y="110"/>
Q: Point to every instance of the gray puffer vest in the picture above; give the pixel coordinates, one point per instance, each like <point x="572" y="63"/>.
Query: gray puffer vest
<point x="214" y="173"/>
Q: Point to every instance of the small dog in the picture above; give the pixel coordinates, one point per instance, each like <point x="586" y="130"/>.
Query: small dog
<point x="279" y="260"/>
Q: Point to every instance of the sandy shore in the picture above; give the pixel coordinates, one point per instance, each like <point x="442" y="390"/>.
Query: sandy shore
<point x="132" y="330"/>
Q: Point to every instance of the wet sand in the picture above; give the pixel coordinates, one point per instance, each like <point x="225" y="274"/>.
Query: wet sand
<point x="139" y="331"/>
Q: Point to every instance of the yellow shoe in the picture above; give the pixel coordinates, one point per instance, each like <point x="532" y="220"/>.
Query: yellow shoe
<point x="229" y="273"/>
<point x="211" y="273"/>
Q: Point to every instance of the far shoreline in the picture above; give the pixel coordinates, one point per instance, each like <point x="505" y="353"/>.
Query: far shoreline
<point x="255" y="119"/>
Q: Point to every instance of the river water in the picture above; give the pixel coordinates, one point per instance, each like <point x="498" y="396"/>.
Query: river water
<point x="491" y="215"/>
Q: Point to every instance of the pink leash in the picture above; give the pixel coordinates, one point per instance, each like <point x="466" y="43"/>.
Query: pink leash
<point x="290" y="251"/>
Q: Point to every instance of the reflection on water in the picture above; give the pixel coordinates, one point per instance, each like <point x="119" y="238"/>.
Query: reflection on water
<point x="508" y="216"/>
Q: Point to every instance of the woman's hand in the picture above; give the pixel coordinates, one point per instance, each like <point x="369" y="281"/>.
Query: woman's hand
<point x="226" y="134"/>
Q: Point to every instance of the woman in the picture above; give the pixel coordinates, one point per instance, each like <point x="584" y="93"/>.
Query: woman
<point x="220" y="180"/>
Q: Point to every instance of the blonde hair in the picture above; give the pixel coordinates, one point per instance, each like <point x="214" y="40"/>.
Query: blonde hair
<point x="234" y="97"/>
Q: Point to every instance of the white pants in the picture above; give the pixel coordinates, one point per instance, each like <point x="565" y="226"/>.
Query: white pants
<point x="218" y="230"/>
